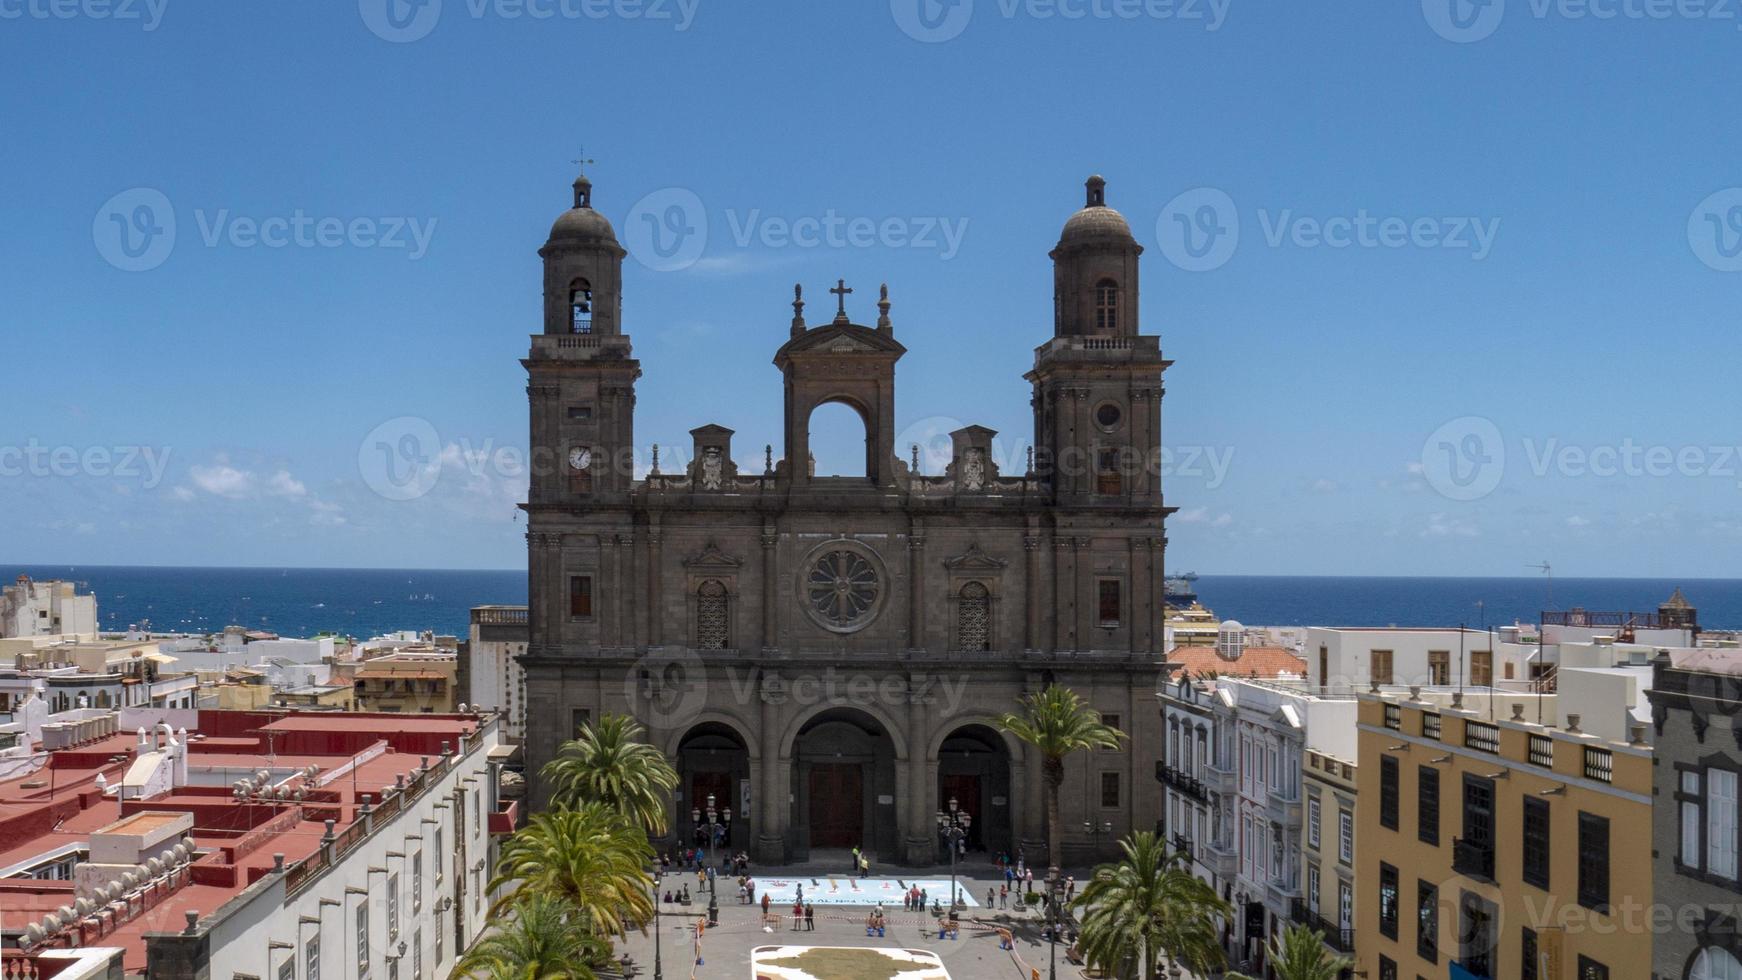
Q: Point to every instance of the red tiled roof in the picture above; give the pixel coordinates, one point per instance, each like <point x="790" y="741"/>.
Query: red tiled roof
<point x="1261" y="662"/>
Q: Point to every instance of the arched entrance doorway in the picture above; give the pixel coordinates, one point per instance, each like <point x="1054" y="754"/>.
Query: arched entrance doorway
<point x="974" y="770"/>
<point x="712" y="760"/>
<point x="843" y="785"/>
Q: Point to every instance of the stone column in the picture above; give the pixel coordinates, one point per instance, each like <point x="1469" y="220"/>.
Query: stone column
<point x="1140" y="615"/>
<point x="771" y="822"/>
<point x="916" y="586"/>
<point x="655" y="611"/>
<point x="1061" y="593"/>
<point x="919" y="848"/>
<point x="1031" y="585"/>
<point x="1083" y="573"/>
<point x="770" y="568"/>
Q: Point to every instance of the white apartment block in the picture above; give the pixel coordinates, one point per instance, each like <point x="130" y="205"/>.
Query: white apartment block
<point x="29" y="608"/>
<point x="491" y="678"/>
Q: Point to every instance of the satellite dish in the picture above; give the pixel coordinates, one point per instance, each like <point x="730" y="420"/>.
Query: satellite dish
<point x="154" y="867"/>
<point x="33" y="934"/>
<point x="82" y="907"/>
<point x="51" y="923"/>
<point x="114" y="891"/>
<point x="65" y="912"/>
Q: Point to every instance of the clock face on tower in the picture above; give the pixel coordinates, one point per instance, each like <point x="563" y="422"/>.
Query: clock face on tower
<point x="580" y="459"/>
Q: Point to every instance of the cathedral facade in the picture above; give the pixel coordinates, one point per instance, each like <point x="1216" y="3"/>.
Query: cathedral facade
<point x="824" y="658"/>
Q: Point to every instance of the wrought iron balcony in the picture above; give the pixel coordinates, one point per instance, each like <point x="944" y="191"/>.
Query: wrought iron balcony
<point x="1182" y="844"/>
<point x="1341" y="940"/>
<point x="1185" y="783"/>
<point x="1473" y="860"/>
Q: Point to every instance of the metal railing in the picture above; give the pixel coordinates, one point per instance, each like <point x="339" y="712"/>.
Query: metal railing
<point x="1473" y="860"/>
<point x="1340" y="939"/>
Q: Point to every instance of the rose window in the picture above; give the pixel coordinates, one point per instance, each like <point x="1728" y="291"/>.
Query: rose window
<point x="842" y="589"/>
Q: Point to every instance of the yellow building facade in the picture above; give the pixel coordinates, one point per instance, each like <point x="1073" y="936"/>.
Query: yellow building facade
<point x="1499" y="848"/>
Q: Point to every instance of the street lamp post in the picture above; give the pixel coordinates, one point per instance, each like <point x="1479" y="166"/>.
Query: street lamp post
<point x="1053" y="887"/>
<point x="716" y="820"/>
<point x="658" y="966"/>
<point x="953" y="828"/>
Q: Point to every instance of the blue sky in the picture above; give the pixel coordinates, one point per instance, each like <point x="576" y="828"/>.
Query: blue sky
<point x="1521" y="346"/>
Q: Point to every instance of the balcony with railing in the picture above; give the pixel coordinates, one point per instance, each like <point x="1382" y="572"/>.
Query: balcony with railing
<point x="1185" y="783"/>
<point x="1283" y="806"/>
<point x="1339" y="939"/>
<point x="1473" y="860"/>
<point x="1219" y="775"/>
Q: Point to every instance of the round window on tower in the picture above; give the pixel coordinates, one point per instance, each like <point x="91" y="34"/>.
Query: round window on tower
<point x="1108" y="416"/>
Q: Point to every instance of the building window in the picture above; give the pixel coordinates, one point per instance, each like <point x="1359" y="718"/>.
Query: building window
<point x="1481" y="668"/>
<point x="1542" y="751"/>
<point x="580" y="597"/>
<point x="1380" y="667"/>
<point x="1107" y="478"/>
<point x="1313" y="819"/>
<point x="362" y="917"/>
<point x="1528" y="958"/>
<point x="580" y="413"/>
<point x="1473" y="854"/>
<point x="1427" y="921"/>
<point x="1394" y="717"/>
<point x="1312" y="889"/>
<point x="392" y="906"/>
<point x="1388" y="901"/>
<point x="1590" y="969"/>
<point x="1721" y="823"/>
<point x="974" y="618"/>
<point x="1387" y="969"/>
<point x="1427" y="805"/>
<point x="437" y="856"/>
<point x="439" y="933"/>
<point x="1345" y="836"/>
<point x="1599" y="764"/>
<point x="1594" y="862"/>
<point x="1109" y="602"/>
<point x="581" y="307"/>
<point x="1481" y="736"/>
<point x="287" y="969"/>
<point x="712" y="632"/>
<point x="1439" y="667"/>
<point x="1430" y="725"/>
<point x="1689" y="801"/>
<point x="311" y="957"/>
<point x="1536" y="841"/>
<point x="417" y="881"/>
<point x="1109" y="790"/>
<point x="1106" y="305"/>
<point x="1388" y="793"/>
<point x="417" y="955"/>
<point x="1476" y="936"/>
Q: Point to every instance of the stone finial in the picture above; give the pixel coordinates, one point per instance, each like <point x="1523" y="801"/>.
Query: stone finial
<point x="883" y="322"/>
<point x="1030" y="460"/>
<point x="1573" y="725"/>
<point x="915" y="459"/>
<point x="768" y="459"/>
<point x="797" y="309"/>
<point x="1517" y="711"/>
<point x="656" y="459"/>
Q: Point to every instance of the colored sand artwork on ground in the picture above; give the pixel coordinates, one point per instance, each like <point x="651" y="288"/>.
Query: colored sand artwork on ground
<point x="845" y="963"/>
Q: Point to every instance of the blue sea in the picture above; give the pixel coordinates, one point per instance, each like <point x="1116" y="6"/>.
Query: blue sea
<point x="369" y="602"/>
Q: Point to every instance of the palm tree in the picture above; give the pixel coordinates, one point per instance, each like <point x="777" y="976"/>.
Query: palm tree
<point x="1149" y="904"/>
<point x="1057" y="722"/>
<point x="536" y="941"/>
<point x="1300" y="954"/>
<point x="609" y="763"/>
<point x="591" y="859"/>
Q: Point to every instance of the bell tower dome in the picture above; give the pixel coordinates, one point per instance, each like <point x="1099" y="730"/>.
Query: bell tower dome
<point x="583" y="271"/>
<point x="1095" y="271"/>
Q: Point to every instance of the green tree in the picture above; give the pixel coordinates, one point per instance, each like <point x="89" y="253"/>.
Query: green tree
<point x="1300" y="954"/>
<point x="1057" y="722"/>
<point x="1147" y="905"/>
<point x="536" y="940"/>
<point x="609" y="763"/>
<point x="592" y="859"/>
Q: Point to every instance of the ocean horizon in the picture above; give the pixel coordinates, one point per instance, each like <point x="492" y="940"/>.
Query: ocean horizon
<point x="365" y="602"/>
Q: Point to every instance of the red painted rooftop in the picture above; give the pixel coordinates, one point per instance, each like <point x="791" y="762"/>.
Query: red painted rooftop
<point x="237" y="840"/>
